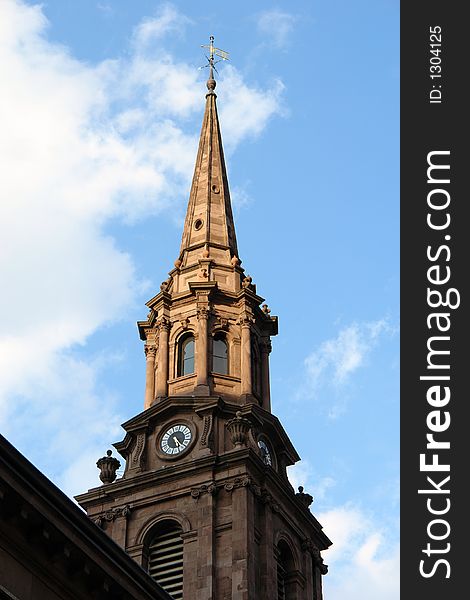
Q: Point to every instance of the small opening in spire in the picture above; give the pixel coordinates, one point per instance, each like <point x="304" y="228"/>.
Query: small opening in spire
<point x="198" y="223"/>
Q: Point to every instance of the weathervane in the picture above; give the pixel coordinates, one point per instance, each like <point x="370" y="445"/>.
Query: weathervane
<point x="213" y="52"/>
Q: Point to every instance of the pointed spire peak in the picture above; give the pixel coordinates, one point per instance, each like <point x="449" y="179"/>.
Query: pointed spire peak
<point x="209" y="230"/>
<point x="213" y="52"/>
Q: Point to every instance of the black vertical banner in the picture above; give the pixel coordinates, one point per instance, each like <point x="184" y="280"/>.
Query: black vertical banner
<point x="435" y="233"/>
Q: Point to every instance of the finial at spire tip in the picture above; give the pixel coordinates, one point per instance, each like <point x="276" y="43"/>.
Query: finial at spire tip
<point x="221" y="54"/>
<point x="211" y="83"/>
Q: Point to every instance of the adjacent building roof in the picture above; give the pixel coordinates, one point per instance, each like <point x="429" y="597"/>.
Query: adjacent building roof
<point x="49" y="549"/>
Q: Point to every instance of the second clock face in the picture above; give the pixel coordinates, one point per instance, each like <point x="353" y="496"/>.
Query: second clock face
<point x="265" y="453"/>
<point x="176" y="439"/>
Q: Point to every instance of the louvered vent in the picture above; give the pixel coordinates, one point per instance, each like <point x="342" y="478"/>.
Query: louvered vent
<point x="166" y="561"/>
<point x="281" y="580"/>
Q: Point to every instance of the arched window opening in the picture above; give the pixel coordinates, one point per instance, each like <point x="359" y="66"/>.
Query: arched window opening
<point x="219" y="355"/>
<point x="186" y="356"/>
<point x="165" y="559"/>
<point x="285" y="568"/>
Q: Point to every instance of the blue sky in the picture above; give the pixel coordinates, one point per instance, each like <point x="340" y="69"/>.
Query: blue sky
<point x="100" y="116"/>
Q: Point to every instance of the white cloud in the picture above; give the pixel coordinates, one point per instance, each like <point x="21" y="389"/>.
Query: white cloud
<point x="245" y="111"/>
<point x="82" y="144"/>
<point x="239" y="198"/>
<point x="105" y="8"/>
<point x="168" y="20"/>
<point x="363" y="560"/>
<point x="337" y="359"/>
<point x="277" y="26"/>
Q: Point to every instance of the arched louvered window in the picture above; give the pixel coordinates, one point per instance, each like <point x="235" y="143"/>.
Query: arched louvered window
<point x="219" y="355"/>
<point x="186" y="356"/>
<point x="285" y="567"/>
<point x="165" y="559"/>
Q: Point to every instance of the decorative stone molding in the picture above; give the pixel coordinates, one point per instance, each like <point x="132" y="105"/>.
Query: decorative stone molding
<point x="307" y="545"/>
<point x="318" y="561"/>
<point x="222" y="323"/>
<point x="150" y="351"/>
<point x="246" y="321"/>
<point x="265" y="497"/>
<point x="209" y="488"/>
<point x="165" y="285"/>
<point x="203" y="312"/>
<point x="164" y="323"/>
<point x="246" y="283"/>
<point x="239" y="428"/>
<point x="235" y="261"/>
<point x="266" y="347"/>
<point x="304" y="499"/>
<point x="108" y="465"/>
<point x="137" y="456"/>
<point x="207" y="434"/>
<point x="257" y="490"/>
<point x="260" y="493"/>
<point x="112" y="514"/>
<point x="184" y="323"/>
<point x="245" y="481"/>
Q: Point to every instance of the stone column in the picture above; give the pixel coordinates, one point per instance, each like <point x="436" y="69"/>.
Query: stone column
<point x="206" y="563"/>
<point x="268" y="580"/>
<point x="150" y="352"/>
<point x="246" y="376"/>
<point x="265" y="386"/>
<point x="190" y="553"/>
<point x="309" y="569"/>
<point x="201" y="350"/>
<point x="245" y="585"/>
<point x="162" y="366"/>
<point x="120" y="526"/>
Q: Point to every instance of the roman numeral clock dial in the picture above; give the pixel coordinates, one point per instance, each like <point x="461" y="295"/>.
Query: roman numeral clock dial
<point x="176" y="439"/>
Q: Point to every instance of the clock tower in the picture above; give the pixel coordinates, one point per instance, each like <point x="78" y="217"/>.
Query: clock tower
<point x="204" y="503"/>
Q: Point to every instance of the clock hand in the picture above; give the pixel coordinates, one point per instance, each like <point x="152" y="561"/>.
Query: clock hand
<point x="176" y="440"/>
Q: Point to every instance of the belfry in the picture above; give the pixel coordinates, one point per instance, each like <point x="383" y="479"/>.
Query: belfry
<point x="204" y="503"/>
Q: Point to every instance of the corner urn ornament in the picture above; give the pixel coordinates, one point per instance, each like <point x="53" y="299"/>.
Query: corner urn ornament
<point x="239" y="428"/>
<point x="108" y="465"/>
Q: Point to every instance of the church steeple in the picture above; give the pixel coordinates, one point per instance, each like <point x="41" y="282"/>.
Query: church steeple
<point x="209" y="220"/>
<point x="205" y="504"/>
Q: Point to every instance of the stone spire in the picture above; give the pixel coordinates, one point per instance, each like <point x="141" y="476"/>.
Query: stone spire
<point x="209" y="221"/>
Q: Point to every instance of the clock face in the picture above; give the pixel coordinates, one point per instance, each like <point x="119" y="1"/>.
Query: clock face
<point x="176" y="439"/>
<point x="265" y="453"/>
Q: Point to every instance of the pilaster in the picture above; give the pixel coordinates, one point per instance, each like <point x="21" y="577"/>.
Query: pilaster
<point x="150" y="353"/>
<point x="243" y="544"/>
<point x="265" y="383"/>
<point x="202" y="358"/>
<point x="246" y="374"/>
<point x="163" y="351"/>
